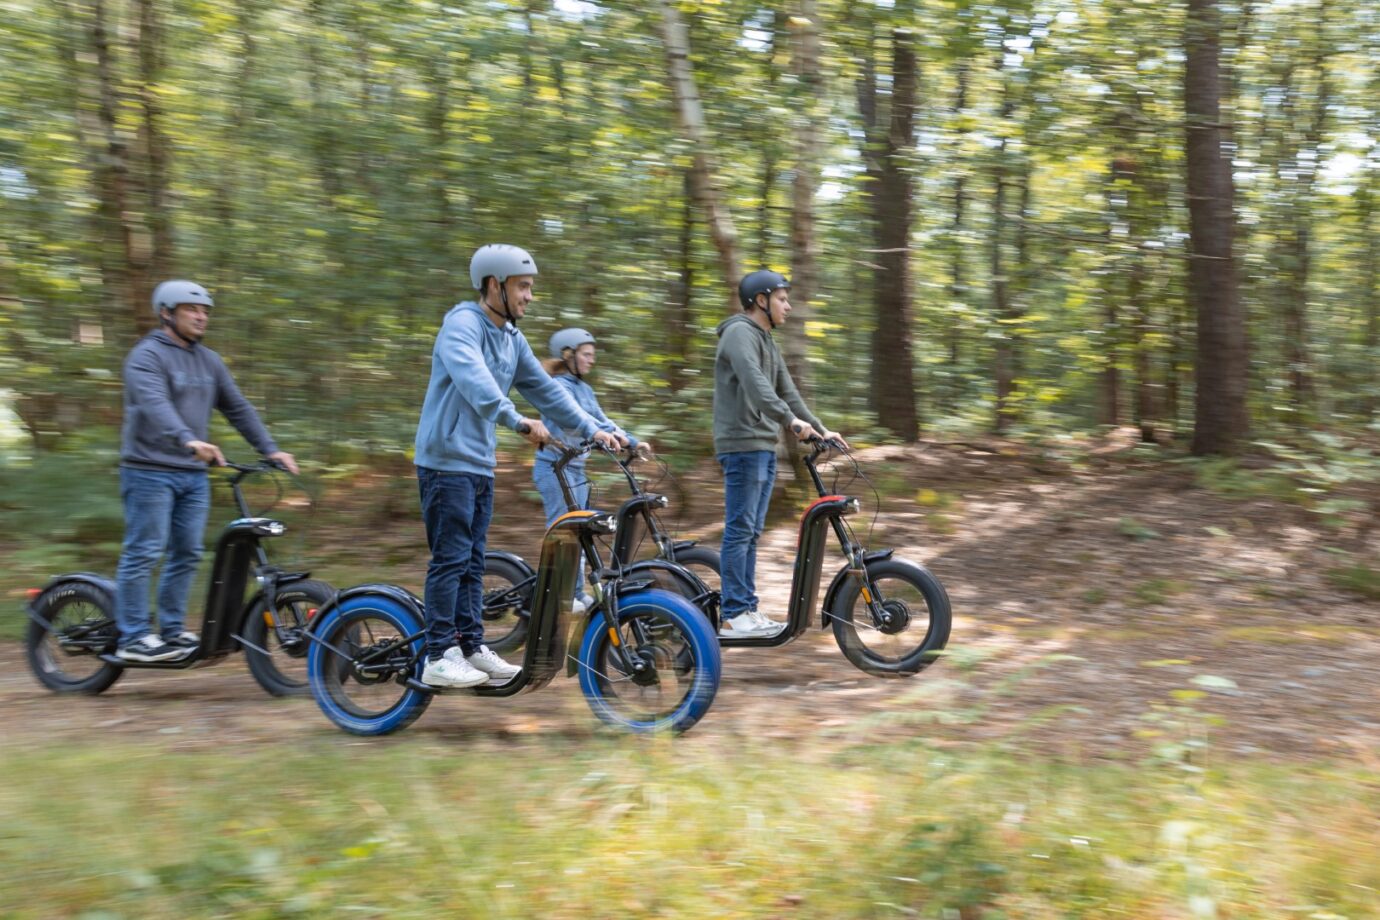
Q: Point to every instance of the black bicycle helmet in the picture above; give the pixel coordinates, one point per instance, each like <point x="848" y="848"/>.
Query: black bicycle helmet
<point x="760" y="282"/>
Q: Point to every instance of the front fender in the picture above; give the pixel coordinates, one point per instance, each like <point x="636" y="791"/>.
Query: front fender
<point x="692" y="585"/>
<point x="837" y="584"/>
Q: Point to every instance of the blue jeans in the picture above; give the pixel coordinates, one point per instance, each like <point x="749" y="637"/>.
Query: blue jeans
<point x="748" y="479"/>
<point x="553" y="499"/>
<point x="456" y="508"/>
<point x="165" y="511"/>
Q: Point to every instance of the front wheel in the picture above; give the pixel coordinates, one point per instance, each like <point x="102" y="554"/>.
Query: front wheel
<point x="908" y="632"/>
<point x="673" y="671"/>
<point x="283" y="634"/>
<point x="361" y="654"/>
<point x="78" y="627"/>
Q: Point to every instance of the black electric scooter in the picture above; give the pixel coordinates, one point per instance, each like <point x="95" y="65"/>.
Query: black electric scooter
<point x="72" y="635"/>
<point x="681" y="566"/>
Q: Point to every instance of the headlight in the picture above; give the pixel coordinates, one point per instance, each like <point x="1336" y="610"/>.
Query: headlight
<point x="662" y="501"/>
<point x="852" y="506"/>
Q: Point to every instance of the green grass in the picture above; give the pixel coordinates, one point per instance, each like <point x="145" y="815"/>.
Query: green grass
<point x="413" y="827"/>
<point x="1359" y="579"/>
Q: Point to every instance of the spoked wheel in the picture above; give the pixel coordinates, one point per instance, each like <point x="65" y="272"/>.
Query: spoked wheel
<point x="78" y="627"/>
<point x="674" y="671"/>
<point x="908" y="632"/>
<point x="367" y="648"/>
<point x="703" y="562"/>
<point x="283" y="671"/>
<point x="507" y="604"/>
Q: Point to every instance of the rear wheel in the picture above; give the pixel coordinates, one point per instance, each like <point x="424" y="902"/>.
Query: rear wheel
<point x="674" y="670"/>
<point x="368" y="647"/>
<point x="909" y="631"/>
<point x="703" y="561"/>
<point x="78" y="627"/>
<point x="283" y="633"/>
<point x="507" y="604"/>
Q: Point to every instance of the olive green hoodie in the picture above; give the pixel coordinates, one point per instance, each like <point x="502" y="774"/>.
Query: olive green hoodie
<point x="754" y="396"/>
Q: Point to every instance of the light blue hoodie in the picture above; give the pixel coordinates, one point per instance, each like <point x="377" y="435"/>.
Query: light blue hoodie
<point x="584" y="397"/>
<point x="473" y="366"/>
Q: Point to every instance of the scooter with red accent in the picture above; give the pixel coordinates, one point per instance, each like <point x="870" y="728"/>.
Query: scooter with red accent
<point x="891" y="617"/>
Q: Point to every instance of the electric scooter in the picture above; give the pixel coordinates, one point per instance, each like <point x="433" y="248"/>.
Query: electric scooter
<point x="681" y="566"/>
<point x="646" y="659"/>
<point x="72" y="635"/>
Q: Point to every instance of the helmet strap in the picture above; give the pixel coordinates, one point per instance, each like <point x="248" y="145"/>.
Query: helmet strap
<point x="507" y="313"/>
<point x="570" y="364"/>
<point x="766" y="309"/>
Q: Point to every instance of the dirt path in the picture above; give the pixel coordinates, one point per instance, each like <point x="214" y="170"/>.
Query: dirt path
<point x="1086" y="605"/>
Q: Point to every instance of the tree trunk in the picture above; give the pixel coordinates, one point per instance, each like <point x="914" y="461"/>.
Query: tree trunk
<point x="155" y="148"/>
<point x="682" y="325"/>
<point x="1371" y="295"/>
<point x="1003" y="370"/>
<point x="958" y="282"/>
<point x="805" y="54"/>
<point x="691" y="116"/>
<point x="1221" y="421"/>
<point x="889" y="197"/>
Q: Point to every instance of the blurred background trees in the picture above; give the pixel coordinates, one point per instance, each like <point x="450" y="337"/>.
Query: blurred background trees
<point x="1020" y="217"/>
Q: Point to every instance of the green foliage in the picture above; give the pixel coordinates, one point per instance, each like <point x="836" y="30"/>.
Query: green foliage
<point x="1360" y="579"/>
<point x="585" y="827"/>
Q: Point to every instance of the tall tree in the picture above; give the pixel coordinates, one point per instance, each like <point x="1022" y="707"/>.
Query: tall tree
<point x="1221" y="421"/>
<point x="889" y="128"/>
<point x="691" y="115"/>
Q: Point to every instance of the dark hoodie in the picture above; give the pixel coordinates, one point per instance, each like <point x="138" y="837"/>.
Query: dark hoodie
<point x="169" y="394"/>
<point x="754" y="396"/>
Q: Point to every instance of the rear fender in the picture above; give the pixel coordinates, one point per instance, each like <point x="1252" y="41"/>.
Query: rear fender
<point x="512" y="558"/>
<point x="405" y="598"/>
<point x="100" y="582"/>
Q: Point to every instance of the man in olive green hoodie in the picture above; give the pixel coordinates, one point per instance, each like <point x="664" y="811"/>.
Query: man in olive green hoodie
<point x="754" y="398"/>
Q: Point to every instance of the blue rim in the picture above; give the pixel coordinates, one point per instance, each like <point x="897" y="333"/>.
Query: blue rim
<point x="411" y="702"/>
<point x="703" y="643"/>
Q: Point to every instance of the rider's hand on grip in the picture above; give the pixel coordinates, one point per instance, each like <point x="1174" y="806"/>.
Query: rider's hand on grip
<point x="534" y="431"/>
<point x="206" y="452"/>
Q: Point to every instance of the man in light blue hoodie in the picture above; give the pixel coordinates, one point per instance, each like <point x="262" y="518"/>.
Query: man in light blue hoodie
<point x="478" y="356"/>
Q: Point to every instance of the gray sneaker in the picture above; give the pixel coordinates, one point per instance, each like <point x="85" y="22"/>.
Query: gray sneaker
<point x="150" y="648"/>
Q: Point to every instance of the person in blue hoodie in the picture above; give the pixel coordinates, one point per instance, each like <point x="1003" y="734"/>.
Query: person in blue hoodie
<point x="572" y="357"/>
<point x="172" y="382"/>
<point x="478" y="356"/>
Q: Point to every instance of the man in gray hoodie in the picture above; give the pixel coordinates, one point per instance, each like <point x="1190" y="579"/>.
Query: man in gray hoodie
<point x="754" y="398"/>
<point x="172" y="382"/>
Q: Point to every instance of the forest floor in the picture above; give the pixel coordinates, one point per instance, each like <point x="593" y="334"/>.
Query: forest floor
<point x="1109" y="608"/>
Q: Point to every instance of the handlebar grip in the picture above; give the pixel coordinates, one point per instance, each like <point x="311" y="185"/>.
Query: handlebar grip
<point x="524" y="428"/>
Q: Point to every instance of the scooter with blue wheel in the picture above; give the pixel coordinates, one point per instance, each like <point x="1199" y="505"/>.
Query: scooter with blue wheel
<point x="647" y="660"/>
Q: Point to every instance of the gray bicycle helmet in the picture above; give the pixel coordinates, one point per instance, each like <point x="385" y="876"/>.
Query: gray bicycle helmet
<point x="171" y="293"/>
<point x="569" y="338"/>
<point x="499" y="260"/>
<point x="761" y="282"/>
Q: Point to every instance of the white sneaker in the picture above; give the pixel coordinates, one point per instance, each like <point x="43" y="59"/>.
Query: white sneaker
<point x="452" y="671"/>
<point x="487" y="661"/>
<point x="766" y="622"/>
<point x="745" y="626"/>
<point x="580" y="606"/>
